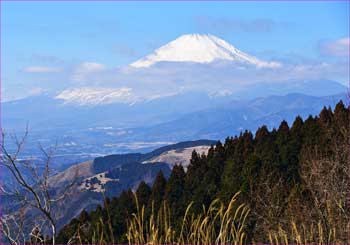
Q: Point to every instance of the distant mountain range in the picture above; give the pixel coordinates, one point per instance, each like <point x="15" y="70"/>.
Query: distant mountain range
<point x="234" y="117"/>
<point x="209" y="98"/>
<point x="83" y="108"/>
<point x="85" y="132"/>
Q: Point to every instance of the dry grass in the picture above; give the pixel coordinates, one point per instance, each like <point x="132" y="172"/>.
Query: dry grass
<point x="219" y="224"/>
<point x="302" y="234"/>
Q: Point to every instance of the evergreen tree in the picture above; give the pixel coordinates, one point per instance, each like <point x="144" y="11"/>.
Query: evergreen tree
<point x="143" y="193"/>
<point x="158" y="191"/>
<point x="252" y="165"/>
<point x="174" y="191"/>
<point x="341" y="115"/>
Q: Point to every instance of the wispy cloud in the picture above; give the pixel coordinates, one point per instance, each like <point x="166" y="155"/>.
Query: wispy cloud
<point x="85" y="69"/>
<point x="41" y="69"/>
<point x="208" y="23"/>
<point x="171" y="77"/>
<point x="337" y="48"/>
<point x="166" y="78"/>
<point x="22" y="94"/>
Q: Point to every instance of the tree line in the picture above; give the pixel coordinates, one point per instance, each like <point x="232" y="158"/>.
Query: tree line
<point x="296" y="173"/>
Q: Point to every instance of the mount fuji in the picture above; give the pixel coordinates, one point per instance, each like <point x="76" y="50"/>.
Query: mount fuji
<point x="200" y="48"/>
<point x="190" y="88"/>
<point x="190" y="64"/>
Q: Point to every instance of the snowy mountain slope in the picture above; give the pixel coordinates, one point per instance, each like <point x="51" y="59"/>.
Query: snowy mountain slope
<point x="200" y="49"/>
<point x="67" y="113"/>
<point x="97" y="96"/>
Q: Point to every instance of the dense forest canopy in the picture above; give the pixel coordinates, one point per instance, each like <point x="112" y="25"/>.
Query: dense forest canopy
<point x="295" y="174"/>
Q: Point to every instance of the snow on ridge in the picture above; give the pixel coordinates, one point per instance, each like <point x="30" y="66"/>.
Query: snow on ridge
<point x="200" y="49"/>
<point x="93" y="96"/>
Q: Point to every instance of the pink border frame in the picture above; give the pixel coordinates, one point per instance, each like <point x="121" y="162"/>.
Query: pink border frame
<point x="257" y="1"/>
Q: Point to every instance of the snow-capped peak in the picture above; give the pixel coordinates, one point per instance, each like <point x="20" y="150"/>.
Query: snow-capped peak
<point x="200" y="48"/>
<point x="95" y="96"/>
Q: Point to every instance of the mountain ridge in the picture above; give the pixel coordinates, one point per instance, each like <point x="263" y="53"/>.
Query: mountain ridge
<point x="200" y="48"/>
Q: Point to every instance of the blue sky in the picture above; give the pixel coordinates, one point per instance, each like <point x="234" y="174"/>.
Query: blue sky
<point x="65" y="34"/>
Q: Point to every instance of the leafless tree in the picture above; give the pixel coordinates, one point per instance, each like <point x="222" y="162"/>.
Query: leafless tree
<point x="327" y="177"/>
<point x="320" y="201"/>
<point x="32" y="192"/>
<point x="269" y="204"/>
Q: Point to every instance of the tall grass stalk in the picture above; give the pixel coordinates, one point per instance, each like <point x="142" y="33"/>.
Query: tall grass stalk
<point x="302" y="234"/>
<point x="218" y="224"/>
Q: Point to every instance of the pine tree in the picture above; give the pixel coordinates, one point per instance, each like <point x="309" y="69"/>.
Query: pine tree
<point x="143" y="193"/>
<point x="174" y="192"/>
<point x="158" y="191"/>
<point x="341" y="116"/>
<point x="326" y="116"/>
<point x="252" y="165"/>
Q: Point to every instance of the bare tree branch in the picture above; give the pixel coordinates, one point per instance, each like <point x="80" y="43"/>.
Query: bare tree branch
<point x="35" y="194"/>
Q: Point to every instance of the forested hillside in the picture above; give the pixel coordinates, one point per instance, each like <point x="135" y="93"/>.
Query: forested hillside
<point x="294" y="179"/>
